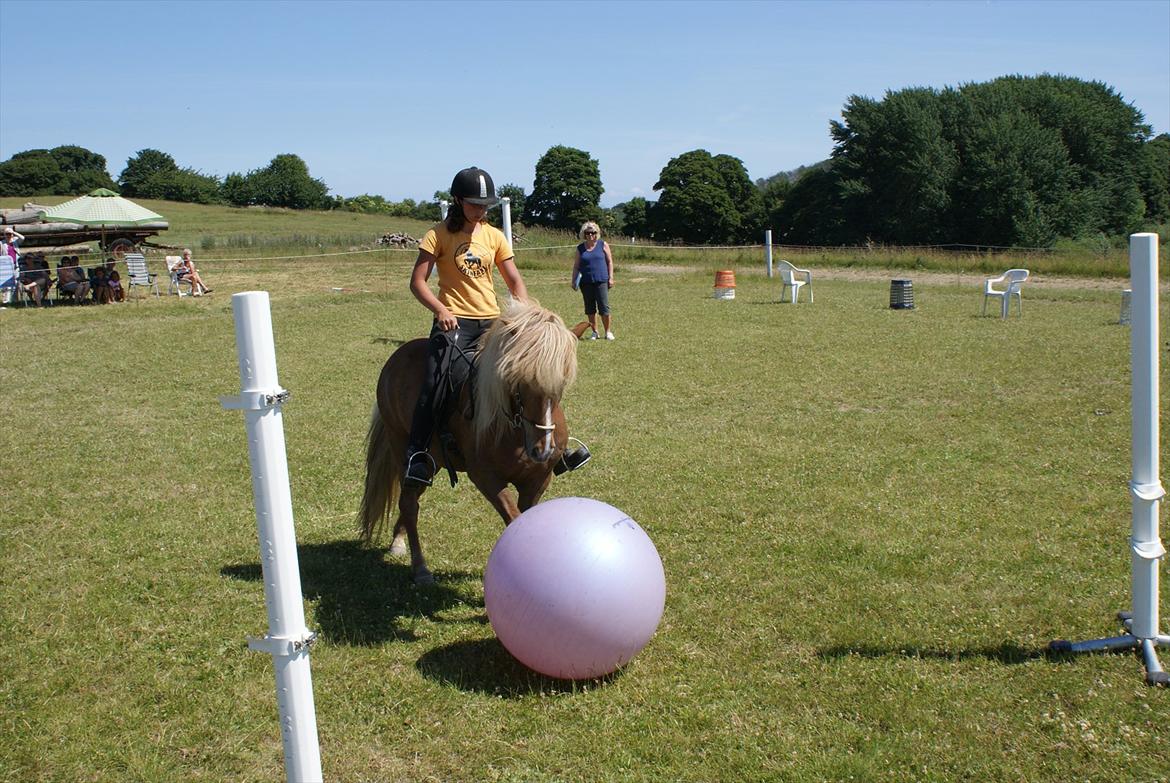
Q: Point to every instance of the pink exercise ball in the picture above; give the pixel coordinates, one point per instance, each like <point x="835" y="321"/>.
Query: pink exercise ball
<point x="574" y="588"/>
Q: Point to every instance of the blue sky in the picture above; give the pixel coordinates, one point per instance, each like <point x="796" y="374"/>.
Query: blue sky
<point x="392" y="98"/>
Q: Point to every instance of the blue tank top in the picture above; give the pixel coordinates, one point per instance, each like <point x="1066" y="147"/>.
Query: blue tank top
<point x="593" y="267"/>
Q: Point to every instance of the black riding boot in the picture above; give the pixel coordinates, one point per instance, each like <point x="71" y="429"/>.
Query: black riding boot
<point x="571" y="460"/>
<point x="448" y="364"/>
<point x="420" y="466"/>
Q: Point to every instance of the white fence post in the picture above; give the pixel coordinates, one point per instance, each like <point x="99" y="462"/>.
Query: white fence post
<point x="768" y="251"/>
<point x="1145" y="487"/>
<point x="506" y="218"/>
<point x="287" y="640"/>
<point x="443" y="206"/>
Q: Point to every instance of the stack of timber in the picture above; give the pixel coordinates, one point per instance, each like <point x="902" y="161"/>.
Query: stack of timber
<point x="398" y="239"/>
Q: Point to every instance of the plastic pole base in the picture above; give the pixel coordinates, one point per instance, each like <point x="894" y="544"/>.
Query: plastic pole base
<point x="1154" y="672"/>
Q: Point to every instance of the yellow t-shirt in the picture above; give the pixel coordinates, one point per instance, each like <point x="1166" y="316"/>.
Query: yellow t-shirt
<point x="465" y="267"/>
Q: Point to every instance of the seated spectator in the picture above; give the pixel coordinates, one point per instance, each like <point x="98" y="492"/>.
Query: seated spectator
<point x="117" y="292"/>
<point x="186" y="270"/>
<point x="71" y="280"/>
<point x="101" y="285"/>
<point x="34" y="277"/>
<point x="10" y="250"/>
<point x="10" y="243"/>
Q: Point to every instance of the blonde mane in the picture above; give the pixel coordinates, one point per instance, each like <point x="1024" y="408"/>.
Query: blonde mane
<point x="527" y="347"/>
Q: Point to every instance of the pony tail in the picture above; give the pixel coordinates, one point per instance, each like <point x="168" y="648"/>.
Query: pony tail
<point x="380" y="496"/>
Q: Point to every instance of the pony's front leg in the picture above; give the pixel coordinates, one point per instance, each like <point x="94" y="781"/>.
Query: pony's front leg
<point x="498" y="494"/>
<point x="408" y="522"/>
<point x="532" y="491"/>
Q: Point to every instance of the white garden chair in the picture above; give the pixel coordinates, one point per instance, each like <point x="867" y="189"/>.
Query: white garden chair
<point x="1014" y="278"/>
<point x="794" y="278"/>
<point x="177" y="283"/>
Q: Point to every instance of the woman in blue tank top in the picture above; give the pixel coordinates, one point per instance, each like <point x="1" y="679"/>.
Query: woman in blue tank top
<point x="593" y="273"/>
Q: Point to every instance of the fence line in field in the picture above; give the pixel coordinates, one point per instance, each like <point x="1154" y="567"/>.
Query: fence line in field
<point x="950" y="246"/>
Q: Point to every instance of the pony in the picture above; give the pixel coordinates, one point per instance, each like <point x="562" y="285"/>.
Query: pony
<point x="515" y="436"/>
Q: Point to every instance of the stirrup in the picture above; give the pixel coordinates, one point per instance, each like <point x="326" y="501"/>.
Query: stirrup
<point x="571" y="460"/>
<point x="419" y="472"/>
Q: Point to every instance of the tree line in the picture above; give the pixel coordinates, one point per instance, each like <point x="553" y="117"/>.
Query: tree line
<point x="284" y="182"/>
<point x="1017" y="161"/>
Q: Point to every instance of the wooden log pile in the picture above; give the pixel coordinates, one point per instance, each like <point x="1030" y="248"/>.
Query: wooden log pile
<point x="398" y="239"/>
<point x="29" y="213"/>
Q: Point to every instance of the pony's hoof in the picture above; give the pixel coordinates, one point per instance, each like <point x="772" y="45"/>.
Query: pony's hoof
<point x="424" y="577"/>
<point x="398" y="549"/>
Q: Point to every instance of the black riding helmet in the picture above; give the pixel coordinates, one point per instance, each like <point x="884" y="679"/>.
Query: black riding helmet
<point x="475" y="186"/>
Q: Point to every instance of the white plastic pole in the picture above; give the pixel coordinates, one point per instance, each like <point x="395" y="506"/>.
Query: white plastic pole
<point x="288" y="639"/>
<point x="1146" y="488"/>
<point x="506" y="218"/>
<point x="443" y="205"/>
<point x="768" y="251"/>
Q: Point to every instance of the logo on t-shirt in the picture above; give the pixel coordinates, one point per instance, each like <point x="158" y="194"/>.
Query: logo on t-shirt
<point x="468" y="262"/>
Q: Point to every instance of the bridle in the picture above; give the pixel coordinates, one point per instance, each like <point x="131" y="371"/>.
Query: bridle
<point x="519" y="420"/>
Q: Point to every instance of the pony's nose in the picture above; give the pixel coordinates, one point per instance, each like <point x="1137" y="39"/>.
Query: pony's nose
<point x="541" y="452"/>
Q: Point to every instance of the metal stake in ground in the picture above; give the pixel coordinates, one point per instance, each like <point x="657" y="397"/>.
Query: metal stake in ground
<point x="287" y="640"/>
<point x="1146" y="550"/>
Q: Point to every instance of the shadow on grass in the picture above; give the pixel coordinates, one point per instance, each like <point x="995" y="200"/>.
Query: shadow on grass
<point x="485" y="666"/>
<point x="395" y="341"/>
<point x="364" y="599"/>
<point x="1007" y="653"/>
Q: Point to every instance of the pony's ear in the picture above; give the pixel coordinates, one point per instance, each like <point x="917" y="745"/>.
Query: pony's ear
<point x="579" y="329"/>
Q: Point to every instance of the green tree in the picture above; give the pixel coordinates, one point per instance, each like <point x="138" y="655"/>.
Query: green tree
<point x="566" y="190"/>
<point x="144" y="164"/>
<point x="285" y="182"/>
<point x="813" y="212"/>
<point x="367" y="204"/>
<point x="82" y="169"/>
<point x="65" y="170"/>
<point x="895" y="164"/>
<point x="186" y="185"/>
<point x="1014" y="186"/>
<point x="1014" y="161"/>
<point x="695" y="205"/>
<point x="30" y="173"/>
<point x="237" y="190"/>
<point x="632" y="217"/>
<point x="1155" y="179"/>
<point x="404" y="208"/>
<point x="774" y="192"/>
<point x="517" y="198"/>
<point x="746" y="197"/>
<point x="429" y="210"/>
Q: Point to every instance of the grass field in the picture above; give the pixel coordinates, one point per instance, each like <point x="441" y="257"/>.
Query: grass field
<point x="872" y="523"/>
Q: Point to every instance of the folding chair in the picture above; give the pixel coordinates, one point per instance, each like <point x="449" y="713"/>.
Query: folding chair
<point x="139" y="276"/>
<point x="9" y="287"/>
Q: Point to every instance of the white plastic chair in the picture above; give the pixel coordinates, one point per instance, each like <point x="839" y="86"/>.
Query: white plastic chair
<point x="794" y="277"/>
<point x="175" y="286"/>
<point x="1015" y="280"/>
<point x="139" y="276"/>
